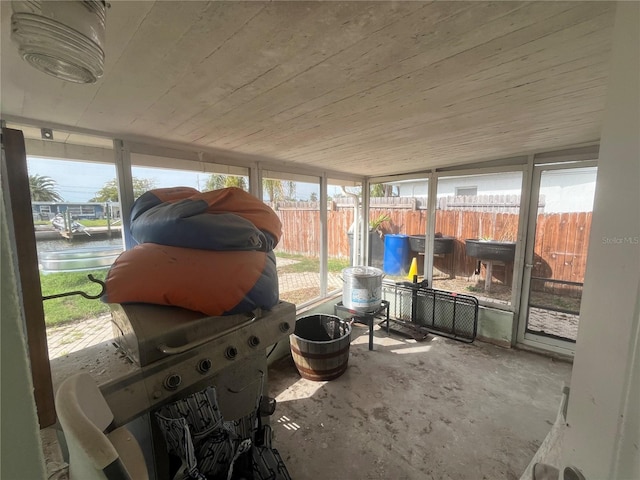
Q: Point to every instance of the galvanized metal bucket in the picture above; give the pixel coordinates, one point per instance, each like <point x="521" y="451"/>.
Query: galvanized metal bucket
<point x="362" y="289"/>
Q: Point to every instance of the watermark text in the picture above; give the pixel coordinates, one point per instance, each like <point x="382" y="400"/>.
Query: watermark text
<point x="621" y="240"/>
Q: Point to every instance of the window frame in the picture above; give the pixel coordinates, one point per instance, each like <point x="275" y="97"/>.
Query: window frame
<point x="459" y="189"/>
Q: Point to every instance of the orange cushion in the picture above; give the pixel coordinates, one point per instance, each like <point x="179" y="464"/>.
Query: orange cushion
<point x="212" y="282"/>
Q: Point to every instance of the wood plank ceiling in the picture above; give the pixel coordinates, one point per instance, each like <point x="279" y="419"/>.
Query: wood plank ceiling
<point x="364" y="88"/>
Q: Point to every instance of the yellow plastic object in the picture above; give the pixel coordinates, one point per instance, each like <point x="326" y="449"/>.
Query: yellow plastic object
<point x="413" y="270"/>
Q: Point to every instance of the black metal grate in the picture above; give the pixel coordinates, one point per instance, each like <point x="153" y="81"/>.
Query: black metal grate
<point x="448" y="314"/>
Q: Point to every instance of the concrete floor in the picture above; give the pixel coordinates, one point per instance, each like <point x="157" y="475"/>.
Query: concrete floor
<point x="437" y="409"/>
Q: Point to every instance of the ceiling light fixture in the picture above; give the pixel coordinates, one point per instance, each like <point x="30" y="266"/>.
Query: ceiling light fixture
<point x="61" y="38"/>
<point x="46" y="133"/>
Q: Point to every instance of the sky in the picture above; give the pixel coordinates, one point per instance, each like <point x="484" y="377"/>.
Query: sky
<point x="79" y="182"/>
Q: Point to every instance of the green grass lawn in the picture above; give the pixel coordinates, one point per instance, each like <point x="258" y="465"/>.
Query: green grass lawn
<point x="311" y="264"/>
<point x="94" y="223"/>
<point x="68" y="309"/>
<point x="87" y="223"/>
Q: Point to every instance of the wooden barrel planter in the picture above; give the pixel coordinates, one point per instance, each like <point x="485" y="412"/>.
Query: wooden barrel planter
<point x="320" y="346"/>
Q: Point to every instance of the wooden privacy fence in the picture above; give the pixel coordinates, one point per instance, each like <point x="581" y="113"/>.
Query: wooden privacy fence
<point x="481" y="203"/>
<point x="562" y="241"/>
<point x="561" y="238"/>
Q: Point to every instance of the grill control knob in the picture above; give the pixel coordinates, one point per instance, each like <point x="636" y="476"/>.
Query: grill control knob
<point x="231" y="352"/>
<point x="254" y="341"/>
<point x="172" y="382"/>
<point x="204" y="365"/>
<point x="284" y="326"/>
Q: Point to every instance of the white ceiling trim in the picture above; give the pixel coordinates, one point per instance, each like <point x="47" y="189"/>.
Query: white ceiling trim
<point x="67" y="151"/>
<point x="189" y="152"/>
<point x="155" y="161"/>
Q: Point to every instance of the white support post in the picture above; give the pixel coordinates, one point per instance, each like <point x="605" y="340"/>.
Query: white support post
<point x="255" y="181"/>
<point x="324" y="237"/>
<point x="364" y="211"/>
<point x="432" y="192"/>
<point x="125" y="188"/>
<point x="603" y="415"/>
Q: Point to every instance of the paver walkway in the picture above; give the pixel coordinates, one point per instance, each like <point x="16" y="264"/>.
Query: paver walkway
<point x="560" y="324"/>
<point x="289" y="282"/>
<point x="75" y="336"/>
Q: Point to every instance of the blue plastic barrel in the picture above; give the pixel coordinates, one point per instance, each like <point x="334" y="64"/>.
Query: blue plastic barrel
<point x="396" y="254"/>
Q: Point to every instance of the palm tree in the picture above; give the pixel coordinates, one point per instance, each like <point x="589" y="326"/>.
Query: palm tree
<point x="43" y="189"/>
<point x="381" y="190"/>
<point x="235" y="181"/>
<point x="109" y="192"/>
<point x="290" y="187"/>
<point x="217" y="181"/>
<point x="273" y="188"/>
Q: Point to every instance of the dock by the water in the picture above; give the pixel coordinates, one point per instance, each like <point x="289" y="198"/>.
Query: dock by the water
<point x="86" y="233"/>
<point x="98" y="232"/>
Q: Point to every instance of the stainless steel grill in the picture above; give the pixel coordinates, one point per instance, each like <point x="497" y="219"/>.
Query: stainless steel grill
<point x="176" y="352"/>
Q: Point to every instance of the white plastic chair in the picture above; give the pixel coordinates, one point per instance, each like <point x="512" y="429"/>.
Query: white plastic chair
<point x="93" y="453"/>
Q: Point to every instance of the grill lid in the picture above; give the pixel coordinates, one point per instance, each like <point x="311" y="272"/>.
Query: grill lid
<point x="148" y="333"/>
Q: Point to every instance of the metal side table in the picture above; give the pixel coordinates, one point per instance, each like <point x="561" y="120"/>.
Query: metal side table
<point x="366" y="317"/>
